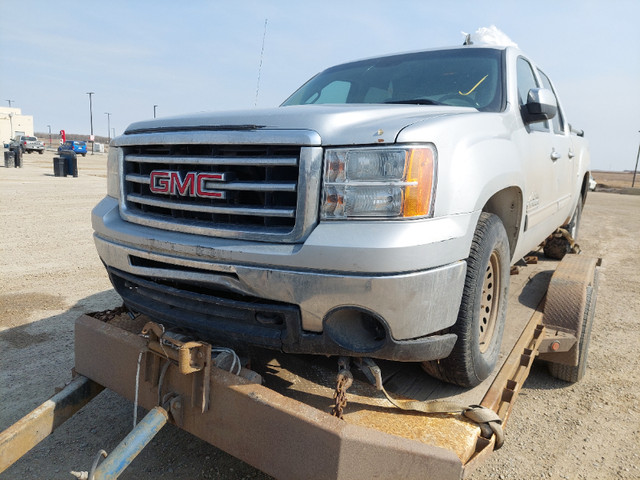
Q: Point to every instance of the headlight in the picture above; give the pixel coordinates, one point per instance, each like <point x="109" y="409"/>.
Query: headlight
<point x="388" y="182"/>
<point x="113" y="177"/>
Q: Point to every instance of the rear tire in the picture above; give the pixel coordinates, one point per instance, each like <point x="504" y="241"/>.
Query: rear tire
<point x="574" y="224"/>
<point x="556" y="246"/>
<point x="482" y="312"/>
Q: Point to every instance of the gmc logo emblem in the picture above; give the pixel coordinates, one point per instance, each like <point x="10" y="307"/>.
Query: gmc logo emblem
<point x="193" y="184"/>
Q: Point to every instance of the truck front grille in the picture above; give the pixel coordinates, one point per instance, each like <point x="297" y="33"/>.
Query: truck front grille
<point x="258" y="190"/>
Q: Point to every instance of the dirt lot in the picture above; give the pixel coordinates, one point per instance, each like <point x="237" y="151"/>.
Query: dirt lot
<point x="50" y="274"/>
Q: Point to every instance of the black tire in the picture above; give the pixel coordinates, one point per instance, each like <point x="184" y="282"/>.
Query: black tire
<point x="41" y="152"/>
<point x="557" y="246"/>
<point x="482" y="312"/>
<point x="573" y="227"/>
<point x="84" y="154"/>
<point x="570" y="373"/>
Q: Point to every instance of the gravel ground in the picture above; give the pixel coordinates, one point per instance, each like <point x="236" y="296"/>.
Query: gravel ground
<point x="50" y="274"/>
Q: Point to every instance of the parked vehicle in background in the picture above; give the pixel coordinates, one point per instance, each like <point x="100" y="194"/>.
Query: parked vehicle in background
<point x="78" y="147"/>
<point x="27" y="144"/>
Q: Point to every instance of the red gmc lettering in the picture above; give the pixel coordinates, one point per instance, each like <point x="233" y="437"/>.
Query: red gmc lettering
<point x="193" y="184"/>
<point x="201" y="189"/>
<point x="180" y="186"/>
<point x="160" y="181"/>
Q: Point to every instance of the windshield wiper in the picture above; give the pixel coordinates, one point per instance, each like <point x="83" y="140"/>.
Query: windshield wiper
<point x="416" y="101"/>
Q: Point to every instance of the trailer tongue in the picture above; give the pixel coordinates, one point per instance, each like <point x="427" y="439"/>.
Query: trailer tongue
<point x="274" y="413"/>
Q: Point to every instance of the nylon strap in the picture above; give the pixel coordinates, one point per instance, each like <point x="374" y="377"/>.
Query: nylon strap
<point x="488" y="420"/>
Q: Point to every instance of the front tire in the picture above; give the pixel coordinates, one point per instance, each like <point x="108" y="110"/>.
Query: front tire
<point x="482" y="312"/>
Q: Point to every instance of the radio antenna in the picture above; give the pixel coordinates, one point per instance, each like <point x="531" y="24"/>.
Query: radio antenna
<point x="264" y="35"/>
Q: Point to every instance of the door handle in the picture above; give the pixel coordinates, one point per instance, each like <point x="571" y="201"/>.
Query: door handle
<point x="571" y="153"/>
<point x="555" y="155"/>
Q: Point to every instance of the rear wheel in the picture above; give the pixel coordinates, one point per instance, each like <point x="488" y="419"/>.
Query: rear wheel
<point x="482" y="312"/>
<point x="557" y="246"/>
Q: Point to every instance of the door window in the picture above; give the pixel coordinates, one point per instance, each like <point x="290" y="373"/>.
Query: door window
<point x="558" y="120"/>
<point x="527" y="81"/>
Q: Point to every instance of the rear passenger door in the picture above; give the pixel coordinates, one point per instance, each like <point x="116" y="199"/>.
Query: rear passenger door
<point x="564" y="163"/>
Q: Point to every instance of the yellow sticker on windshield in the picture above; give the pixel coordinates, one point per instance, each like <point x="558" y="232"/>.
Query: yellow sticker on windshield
<point x="474" y="87"/>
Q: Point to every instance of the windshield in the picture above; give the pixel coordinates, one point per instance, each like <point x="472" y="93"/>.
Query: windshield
<point x="461" y="77"/>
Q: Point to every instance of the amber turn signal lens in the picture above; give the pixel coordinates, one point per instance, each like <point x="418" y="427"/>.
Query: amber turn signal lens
<point x="420" y="177"/>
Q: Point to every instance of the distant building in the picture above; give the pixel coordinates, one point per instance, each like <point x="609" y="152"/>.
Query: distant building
<point x="13" y="122"/>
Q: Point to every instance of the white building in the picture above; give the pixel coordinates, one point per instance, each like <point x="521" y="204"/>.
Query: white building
<point x="13" y="122"/>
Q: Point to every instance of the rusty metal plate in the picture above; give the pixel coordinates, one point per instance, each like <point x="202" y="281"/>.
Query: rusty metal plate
<point x="278" y="435"/>
<point x="367" y="407"/>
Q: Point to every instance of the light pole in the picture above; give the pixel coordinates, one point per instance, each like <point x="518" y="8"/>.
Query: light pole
<point x="91" y="120"/>
<point x="49" y="127"/>
<point x="154" y="110"/>
<point x="108" y="125"/>
<point x="9" y="102"/>
<point x="635" y="170"/>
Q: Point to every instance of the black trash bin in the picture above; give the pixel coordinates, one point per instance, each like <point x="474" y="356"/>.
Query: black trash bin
<point x="18" y="157"/>
<point x="59" y="167"/>
<point x="71" y="160"/>
<point x="9" y="159"/>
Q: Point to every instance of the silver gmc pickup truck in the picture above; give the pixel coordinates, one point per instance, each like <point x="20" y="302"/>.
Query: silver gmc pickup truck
<point x="375" y="213"/>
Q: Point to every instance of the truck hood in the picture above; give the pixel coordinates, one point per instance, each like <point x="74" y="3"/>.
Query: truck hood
<point x="352" y="124"/>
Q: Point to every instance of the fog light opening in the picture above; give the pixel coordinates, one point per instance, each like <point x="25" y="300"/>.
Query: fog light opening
<point x="355" y="329"/>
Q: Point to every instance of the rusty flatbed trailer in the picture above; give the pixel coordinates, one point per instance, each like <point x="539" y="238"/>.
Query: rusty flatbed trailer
<point x="275" y="414"/>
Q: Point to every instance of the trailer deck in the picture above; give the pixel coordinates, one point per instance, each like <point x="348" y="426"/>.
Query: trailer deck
<point x="275" y="414"/>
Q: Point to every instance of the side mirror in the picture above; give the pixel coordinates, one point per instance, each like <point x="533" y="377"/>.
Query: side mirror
<point x="541" y="105"/>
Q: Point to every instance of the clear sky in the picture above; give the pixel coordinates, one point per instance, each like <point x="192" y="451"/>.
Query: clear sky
<point x="195" y="55"/>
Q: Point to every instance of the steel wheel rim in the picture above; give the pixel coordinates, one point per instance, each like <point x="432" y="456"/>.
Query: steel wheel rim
<point x="488" y="314"/>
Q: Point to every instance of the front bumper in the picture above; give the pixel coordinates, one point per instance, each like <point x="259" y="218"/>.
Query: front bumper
<point x="273" y="325"/>
<point x="232" y="276"/>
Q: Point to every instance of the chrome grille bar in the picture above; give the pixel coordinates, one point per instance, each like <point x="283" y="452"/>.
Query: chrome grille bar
<point x="194" y="207"/>
<point x="253" y="186"/>
<point x="204" y="160"/>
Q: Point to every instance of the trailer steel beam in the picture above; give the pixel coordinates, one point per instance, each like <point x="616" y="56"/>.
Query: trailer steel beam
<point x="34" y="427"/>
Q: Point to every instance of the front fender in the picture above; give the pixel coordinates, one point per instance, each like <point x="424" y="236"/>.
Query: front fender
<point x="477" y="157"/>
